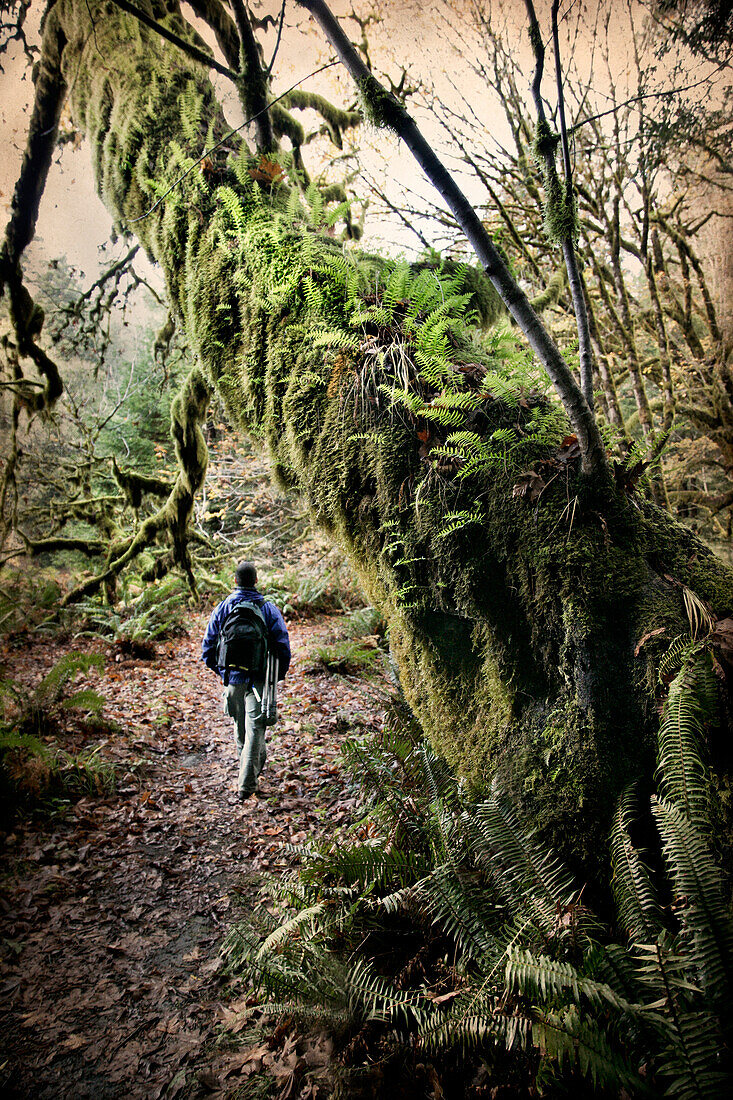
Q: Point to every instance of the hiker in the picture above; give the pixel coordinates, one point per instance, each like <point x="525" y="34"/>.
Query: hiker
<point x="237" y="647"/>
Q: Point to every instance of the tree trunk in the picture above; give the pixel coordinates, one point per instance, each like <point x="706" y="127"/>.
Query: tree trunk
<point x="516" y="637"/>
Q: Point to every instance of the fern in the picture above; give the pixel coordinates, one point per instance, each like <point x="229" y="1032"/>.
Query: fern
<point x="571" y="1040"/>
<point x="52" y="684"/>
<point x="376" y="998"/>
<point x="636" y="899"/>
<point x="682" y="774"/>
<point x="530" y="876"/>
<point x="191" y="104"/>
<point x="12" y="739"/>
<point x="234" y="210"/>
<point x="533" y="970"/>
<point x="86" y="700"/>
<point x="545" y="978"/>
<point x="456" y="521"/>
<point x="335" y="338"/>
<point x="704" y="914"/>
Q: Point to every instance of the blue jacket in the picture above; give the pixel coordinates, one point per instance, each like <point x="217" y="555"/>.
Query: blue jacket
<point x="276" y="628"/>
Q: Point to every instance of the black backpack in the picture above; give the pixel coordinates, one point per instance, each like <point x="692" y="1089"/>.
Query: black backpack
<point x="243" y="642"/>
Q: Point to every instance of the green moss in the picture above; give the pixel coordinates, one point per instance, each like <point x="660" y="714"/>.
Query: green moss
<point x="560" y="209"/>
<point x="552" y="293"/>
<point x="513" y="636"/>
<point x="336" y="120"/>
<point x="380" y="108"/>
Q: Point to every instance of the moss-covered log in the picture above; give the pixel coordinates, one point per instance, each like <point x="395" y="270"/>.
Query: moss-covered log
<point x="516" y="635"/>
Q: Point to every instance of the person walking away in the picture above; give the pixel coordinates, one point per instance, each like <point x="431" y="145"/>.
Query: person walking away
<point x="244" y="686"/>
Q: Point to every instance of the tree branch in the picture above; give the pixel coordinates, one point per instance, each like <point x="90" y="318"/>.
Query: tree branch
<point x="187" y="47"/>
<point x="252" y="83"/>
<point x="215" y="15"/>
<point x="560" y="200"/>
<point x="388" y="112"/>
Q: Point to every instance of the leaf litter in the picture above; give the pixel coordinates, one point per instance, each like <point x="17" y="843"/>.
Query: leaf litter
<point x="112" y="910"/>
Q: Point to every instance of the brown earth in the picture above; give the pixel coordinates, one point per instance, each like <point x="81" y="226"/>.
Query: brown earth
<point x="113" y="909"/>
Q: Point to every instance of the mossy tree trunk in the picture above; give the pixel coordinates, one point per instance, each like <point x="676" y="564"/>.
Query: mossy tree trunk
<point x="516" y="638"/>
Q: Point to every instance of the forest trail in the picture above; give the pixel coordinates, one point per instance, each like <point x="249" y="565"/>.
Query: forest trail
<point x="111" y="984"/>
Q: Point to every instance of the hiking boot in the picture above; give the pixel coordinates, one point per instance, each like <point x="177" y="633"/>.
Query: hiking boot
<point x="243" y="796"/>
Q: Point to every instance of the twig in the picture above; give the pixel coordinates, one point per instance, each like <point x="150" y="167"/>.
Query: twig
<point x="226" y="137"/>
<point x="268" y="70"/>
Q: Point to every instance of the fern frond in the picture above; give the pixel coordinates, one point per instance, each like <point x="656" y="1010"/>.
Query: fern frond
<point x="638" y="907"/>
<point x="691" y="1064"/>
<point x="698" y="885"/>
<point x="679" y="651"/>
<point x="191" y="104"/>
<point x="11" y="739"/>
<point x="456" y="521"/>
<point x="459" y="903"/>
<point x="681" y="773"/>
<point x="287" y="930"/>
<point x="476" y="1020"/>
<point x="336" y="338"/>
<point x="571" y="1040"/>
<point x="366" y="865"/>
<point x="87" y="700"/>
<point x="379" y="999"/>
<point x="532" y="877"/>
<point x="234" y="210"/>
<point x="50" y="686"/>
<point x="544" y="979"/>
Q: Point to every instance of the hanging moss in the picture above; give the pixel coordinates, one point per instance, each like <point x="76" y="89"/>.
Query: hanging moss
<point x="560" y="208"/>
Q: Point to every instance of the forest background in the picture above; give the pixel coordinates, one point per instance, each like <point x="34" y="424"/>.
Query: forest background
<point x="110" y="526"/>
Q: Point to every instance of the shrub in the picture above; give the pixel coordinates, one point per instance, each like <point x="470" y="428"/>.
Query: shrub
<point x="160" y="610"/>
<point x="31" y="771"/>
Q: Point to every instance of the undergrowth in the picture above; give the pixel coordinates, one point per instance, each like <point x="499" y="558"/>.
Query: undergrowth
<point x="140" y="619"/>
<point x="349" y="656"/>
<point x="33" y="769"/>
<point x="446" y="948"/>
<point x="313" y="591"/>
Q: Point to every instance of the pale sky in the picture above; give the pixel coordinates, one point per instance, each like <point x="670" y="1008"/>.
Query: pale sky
<point x="74" y="222"/>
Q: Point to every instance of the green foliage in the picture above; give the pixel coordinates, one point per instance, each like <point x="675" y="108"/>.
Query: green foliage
<point x="428" y="873"/>
<point x="30" y="770"/>
<point x="84" y="773"/>
<point x="309" y="592"/>
<point x="350" y="657"/>
<point x="50" y="688"/>
<point x="26" y="596"/>
<point x="29" y="711"/>
<point x="691" y="702"/>
<point x="414" y="325"/>
<point x="160" y="610"/>
<point x="363" y="622"/>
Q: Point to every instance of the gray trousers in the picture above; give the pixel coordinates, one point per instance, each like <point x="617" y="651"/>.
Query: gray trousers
<point x="245" y="709"/>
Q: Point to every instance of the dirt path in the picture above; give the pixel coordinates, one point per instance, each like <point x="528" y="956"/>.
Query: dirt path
<point x="112" y="914"/>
